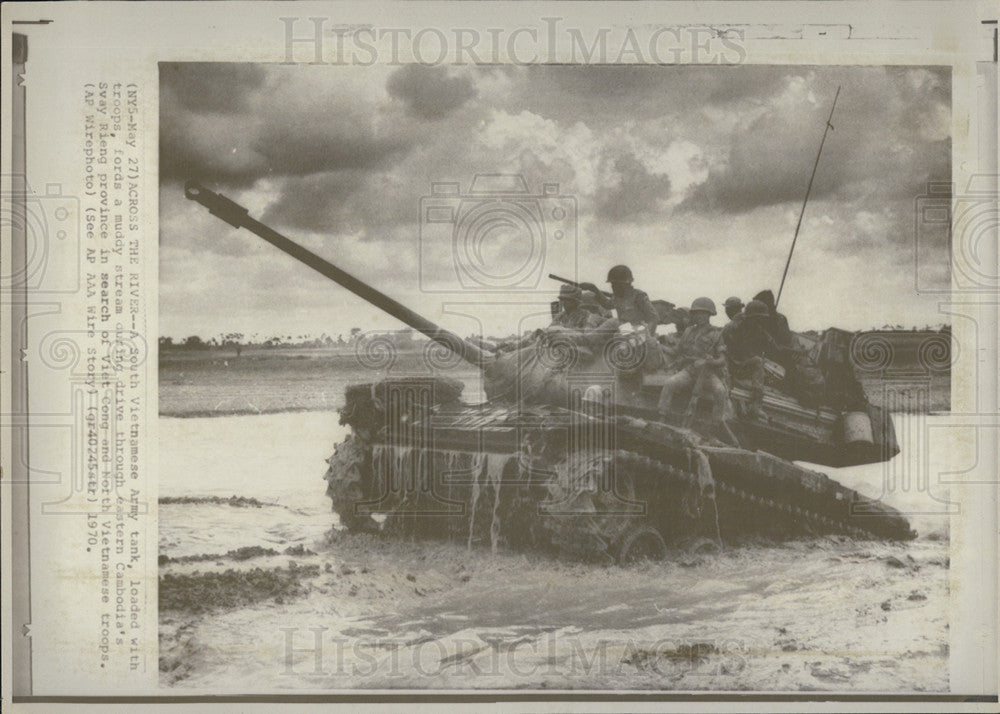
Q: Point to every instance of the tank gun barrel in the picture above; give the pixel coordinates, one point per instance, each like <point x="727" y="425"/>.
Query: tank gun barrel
<point x="238" y="217"/>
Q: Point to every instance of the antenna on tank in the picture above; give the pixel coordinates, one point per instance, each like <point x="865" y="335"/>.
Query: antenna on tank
<point x="808" y="190"/>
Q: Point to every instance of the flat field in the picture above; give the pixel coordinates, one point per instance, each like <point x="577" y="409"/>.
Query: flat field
<point x="217" y="382"/>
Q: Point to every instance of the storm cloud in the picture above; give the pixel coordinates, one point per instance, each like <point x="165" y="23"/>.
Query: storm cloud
<point x="278" y="124"/>
<point x="430" y="92"/>
<point x="694" y="175"/>
<point x="889" y="138"/>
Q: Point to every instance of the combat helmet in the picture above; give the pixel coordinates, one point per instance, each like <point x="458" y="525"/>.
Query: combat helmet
<point x="756" y="308"/>
<point x="620" y="274"/>
<point x="704" y="304"/>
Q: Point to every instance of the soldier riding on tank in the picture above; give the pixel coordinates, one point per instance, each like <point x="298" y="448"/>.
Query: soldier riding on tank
<point x="699" y="364"/>
<point x="776" y="324"/>
<point x="571" y="313"/>
<point x="570" y="317"/>
<point x="734" y="307"/>
<point x="629" y="303"/>
<point x="747" y="345"/>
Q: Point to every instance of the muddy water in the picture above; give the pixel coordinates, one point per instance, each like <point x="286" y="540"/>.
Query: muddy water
<point x="358" y="611"/>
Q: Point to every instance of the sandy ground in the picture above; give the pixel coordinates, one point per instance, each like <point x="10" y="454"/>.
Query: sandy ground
<point x="258" y="593"/>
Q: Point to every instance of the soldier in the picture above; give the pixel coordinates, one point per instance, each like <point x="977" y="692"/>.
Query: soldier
<point x="700" y="363"/>
<point x="571" y="313"/>
<point x="629" y="303"/>
<point x="747" y="344"/>
<point x="682" y="319"/>
<point x="776" y="323"/>
<point x="734" y="306"/>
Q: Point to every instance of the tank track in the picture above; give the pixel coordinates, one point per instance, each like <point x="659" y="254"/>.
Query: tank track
<point x="809" y="520"/>
<point x="567" y="507"/>
<point x="715" y="510"/>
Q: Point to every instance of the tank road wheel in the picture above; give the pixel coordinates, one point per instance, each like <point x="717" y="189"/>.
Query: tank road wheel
<point x="586" y="513"/>
<point x="640" y="542"/>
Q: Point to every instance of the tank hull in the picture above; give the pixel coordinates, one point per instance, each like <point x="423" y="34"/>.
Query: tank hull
<point x="588" y="482"/>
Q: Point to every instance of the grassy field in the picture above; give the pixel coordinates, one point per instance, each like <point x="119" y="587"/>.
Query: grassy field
<point x="217" y="382"/>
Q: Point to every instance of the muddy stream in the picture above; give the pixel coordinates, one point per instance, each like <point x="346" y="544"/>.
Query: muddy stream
<point x="258" y="591"/>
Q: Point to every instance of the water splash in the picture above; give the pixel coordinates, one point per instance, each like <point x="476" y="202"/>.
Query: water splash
<point x="495" y="465"/>
<point x="478" y="463"/>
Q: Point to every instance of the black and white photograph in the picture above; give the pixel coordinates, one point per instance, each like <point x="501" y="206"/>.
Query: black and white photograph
<point x="499" y="356"/>
<point x="568" y="376"/>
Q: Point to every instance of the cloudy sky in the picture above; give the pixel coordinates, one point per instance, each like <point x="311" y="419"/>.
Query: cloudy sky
<point x="694" y="176"/>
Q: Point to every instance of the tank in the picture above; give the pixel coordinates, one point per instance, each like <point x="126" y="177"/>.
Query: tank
<point x="569" y="453"/>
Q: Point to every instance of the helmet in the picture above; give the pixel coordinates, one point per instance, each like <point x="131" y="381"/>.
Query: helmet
<point x="588" y="299"/>
<point x="755" y="308"/>
<point x="569" y="292"/>
<point x="705" y="304"/>
<point x="620" y="274"/>
<point x="733" y="301"/>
